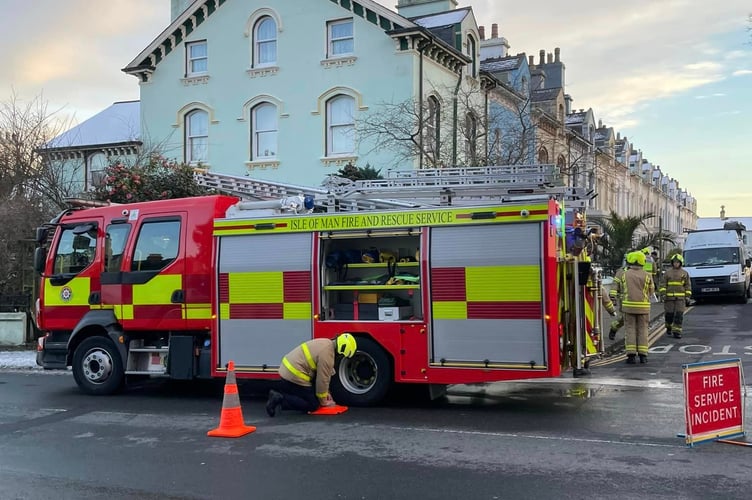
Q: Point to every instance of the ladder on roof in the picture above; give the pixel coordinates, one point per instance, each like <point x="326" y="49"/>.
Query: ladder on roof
<point x="416" y="188"/>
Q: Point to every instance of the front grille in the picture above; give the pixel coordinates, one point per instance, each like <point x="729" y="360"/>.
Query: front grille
<point x="709" y="281"/>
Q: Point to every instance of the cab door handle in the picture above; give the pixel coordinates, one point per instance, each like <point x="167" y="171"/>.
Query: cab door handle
<point x="178" y="297"/>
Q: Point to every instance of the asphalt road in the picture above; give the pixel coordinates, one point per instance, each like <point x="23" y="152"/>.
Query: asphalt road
<point x="612" y="435"/>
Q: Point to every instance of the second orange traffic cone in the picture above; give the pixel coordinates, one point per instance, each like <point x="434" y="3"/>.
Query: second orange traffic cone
<point x="231" y="423"/>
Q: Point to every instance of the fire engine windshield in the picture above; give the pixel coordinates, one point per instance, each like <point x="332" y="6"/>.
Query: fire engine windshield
<point x="75" y="249"/>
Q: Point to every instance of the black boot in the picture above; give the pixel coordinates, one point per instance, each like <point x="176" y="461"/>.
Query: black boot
<point x="630" y="359"/>
<point x="677" y="335"/>
<point x="274" y="403"/>
<point x="643" y="358"/>
<point x="611" y="334"/>
<point x="668" y="330"/>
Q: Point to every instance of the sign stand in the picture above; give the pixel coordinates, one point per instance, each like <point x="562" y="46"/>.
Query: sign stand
<point x="714" y="398"/>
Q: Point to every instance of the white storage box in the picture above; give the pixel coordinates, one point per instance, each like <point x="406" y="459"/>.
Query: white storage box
<point x="395" y="313"/>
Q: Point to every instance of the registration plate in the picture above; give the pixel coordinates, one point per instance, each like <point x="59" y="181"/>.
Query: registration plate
<point x="707" y="290"/>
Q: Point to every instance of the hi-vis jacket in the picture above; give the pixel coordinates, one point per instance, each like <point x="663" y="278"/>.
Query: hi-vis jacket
<point x="635" y="289"/>
<point x="675" y="285"/>
<point x="312" y="359"/>
<point x="614" y="293"/>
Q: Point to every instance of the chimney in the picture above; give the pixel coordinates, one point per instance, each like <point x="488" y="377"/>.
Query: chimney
<point x="568" y="103"/>
<point x="600" y="123"/>
<point x="557" y="52"/>
<point x="482" y="32"/>
<point x="494" y="30"/>
<point x="542" y="55"/>
<point x="550" y="58"/>
<point x="618" y="136"/>
<point x="531" y="61"/>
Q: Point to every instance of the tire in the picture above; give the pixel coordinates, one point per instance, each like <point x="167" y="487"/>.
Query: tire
<point x="364" y="379"/>
<point x="97" y="367"/>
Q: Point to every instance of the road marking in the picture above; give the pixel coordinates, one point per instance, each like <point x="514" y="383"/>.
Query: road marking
<point x="531" y="436"/>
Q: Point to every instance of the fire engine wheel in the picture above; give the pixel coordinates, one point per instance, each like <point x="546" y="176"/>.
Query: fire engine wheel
<point x="365" y="378"/>
<point x="97" y="367"/>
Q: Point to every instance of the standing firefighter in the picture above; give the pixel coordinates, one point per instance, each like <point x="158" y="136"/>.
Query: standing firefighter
<point x="636" y="287"/>
<point x="617" y="298"/>
<point x="306" y="372"/>
<point x="675" y="292"/>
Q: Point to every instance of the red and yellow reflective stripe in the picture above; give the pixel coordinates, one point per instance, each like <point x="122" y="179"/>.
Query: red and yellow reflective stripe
<point x="295" y="371"/>
<point x="265" y="295"/>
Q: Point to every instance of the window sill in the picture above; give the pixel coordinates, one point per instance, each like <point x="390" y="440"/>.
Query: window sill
<point x="262" y="71"/>
<point x="338" y="161"/>
<point x="338" y="62"/>
<point x="262" y="164"/>
<point x="195" y="80"/>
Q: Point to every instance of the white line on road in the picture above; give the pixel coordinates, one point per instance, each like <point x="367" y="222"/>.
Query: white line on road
<point x="531" y="436"/>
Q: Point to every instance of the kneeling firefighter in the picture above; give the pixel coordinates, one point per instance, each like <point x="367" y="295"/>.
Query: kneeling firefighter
<point x="675" y="292"/>
<point x="306" y="372"/>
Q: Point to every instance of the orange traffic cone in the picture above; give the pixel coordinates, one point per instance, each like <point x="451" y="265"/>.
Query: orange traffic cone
<point x="231" y="424"/>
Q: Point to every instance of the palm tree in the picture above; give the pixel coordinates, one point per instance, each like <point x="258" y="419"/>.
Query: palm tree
<point x="620" y="232"/>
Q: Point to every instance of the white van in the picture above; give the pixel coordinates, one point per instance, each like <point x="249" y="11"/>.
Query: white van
<point x="717" y="263"/>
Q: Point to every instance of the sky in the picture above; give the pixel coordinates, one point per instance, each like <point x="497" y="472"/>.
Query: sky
<point x="674" y="76"/>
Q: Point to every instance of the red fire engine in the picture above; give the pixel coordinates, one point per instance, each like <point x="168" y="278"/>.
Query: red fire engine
<point x="469" y="281"/>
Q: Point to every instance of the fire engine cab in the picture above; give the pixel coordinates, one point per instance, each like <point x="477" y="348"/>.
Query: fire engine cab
<point x="444" y="276"/>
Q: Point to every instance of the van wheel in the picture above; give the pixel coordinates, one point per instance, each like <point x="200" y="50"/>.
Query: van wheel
<point x="97" y="367"/>
<point x="365" y="378"/>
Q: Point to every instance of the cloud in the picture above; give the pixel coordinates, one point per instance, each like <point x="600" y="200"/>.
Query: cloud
<point x="742" y="72"/>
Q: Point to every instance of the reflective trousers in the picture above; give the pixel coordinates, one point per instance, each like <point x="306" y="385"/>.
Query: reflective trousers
<point x="674" y="316"/>
<point x="636" y="338"/>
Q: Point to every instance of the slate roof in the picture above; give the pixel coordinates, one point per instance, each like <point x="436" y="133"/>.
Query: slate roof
<point x="441" y="19"/>
<point x="120" y="123"/>
<point x="501" y="64"/>
<point x="545" y="94"/>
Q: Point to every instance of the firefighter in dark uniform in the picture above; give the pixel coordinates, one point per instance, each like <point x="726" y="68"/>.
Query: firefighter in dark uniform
<point x="675" y="292"/>
<point x="636" y="287"/>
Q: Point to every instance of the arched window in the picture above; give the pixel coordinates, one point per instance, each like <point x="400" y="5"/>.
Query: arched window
<point x="471" y="139"/>
<point x="264" y="131"/>
<point x="524" y="86"/>
<point x="432" y="129"/>
<point x="265" y="42"/>
<point x="95" y="166"/>
<point x="542" y="155"/>
<point x="560" y="114"/>
<point x="196" y="136"/>
<point x="561" y="163"/>
<point x="340" y="125"/>
<point x="471" y="51"/>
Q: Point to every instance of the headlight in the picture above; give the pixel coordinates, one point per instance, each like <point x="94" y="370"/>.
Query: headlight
<point x="735" y="278"/>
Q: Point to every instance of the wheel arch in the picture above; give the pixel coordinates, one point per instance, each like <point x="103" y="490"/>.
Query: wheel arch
<point x="102" y="323"/>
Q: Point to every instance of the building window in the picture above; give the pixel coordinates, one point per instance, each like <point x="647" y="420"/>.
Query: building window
<point x="524" y="86"/>
<point x="433" y="130"/>
<point x="340" y="125"/>
<point x="542" y="155"/>
<point x="560" y="114"/>
<point x="471" y="139"/>
<point x="264" y="131"/>
<point x="196" y="58"/>
<point x="196" y="136"/>
<point x="265" y="42"/>
<point x="561" y="163"/>
<point x="340" y="38"/>
<point x="95" y="170"/>
<point x="471" y="51"/>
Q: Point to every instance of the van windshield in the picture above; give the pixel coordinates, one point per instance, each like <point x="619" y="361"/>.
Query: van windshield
<point x="711" y="257"/>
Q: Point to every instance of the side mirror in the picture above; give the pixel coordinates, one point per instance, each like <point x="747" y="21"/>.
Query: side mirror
<point x="41" y="235"/>
<point x="40" y="256"/>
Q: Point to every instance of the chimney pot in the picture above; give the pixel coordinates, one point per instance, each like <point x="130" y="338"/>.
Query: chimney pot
<point x="600" y="123"/>
<point x="557" y="52"/>
<point x="542" y="55"/>
<point x="531" y="61"/>
<point x="494" y="30"/>
<point x="550" y="58"/>
<point x="482" y="32"/>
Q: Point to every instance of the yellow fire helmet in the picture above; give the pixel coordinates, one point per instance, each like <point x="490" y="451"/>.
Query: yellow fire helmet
<point x="636" y="258"/>
<point x="645" y="250"/>
<point x="346" y="345"/>
<point x="679" y="257"/>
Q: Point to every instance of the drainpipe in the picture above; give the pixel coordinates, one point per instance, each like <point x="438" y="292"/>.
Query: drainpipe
<point x="454" y="120"/>
<point x="421" y="47"/>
